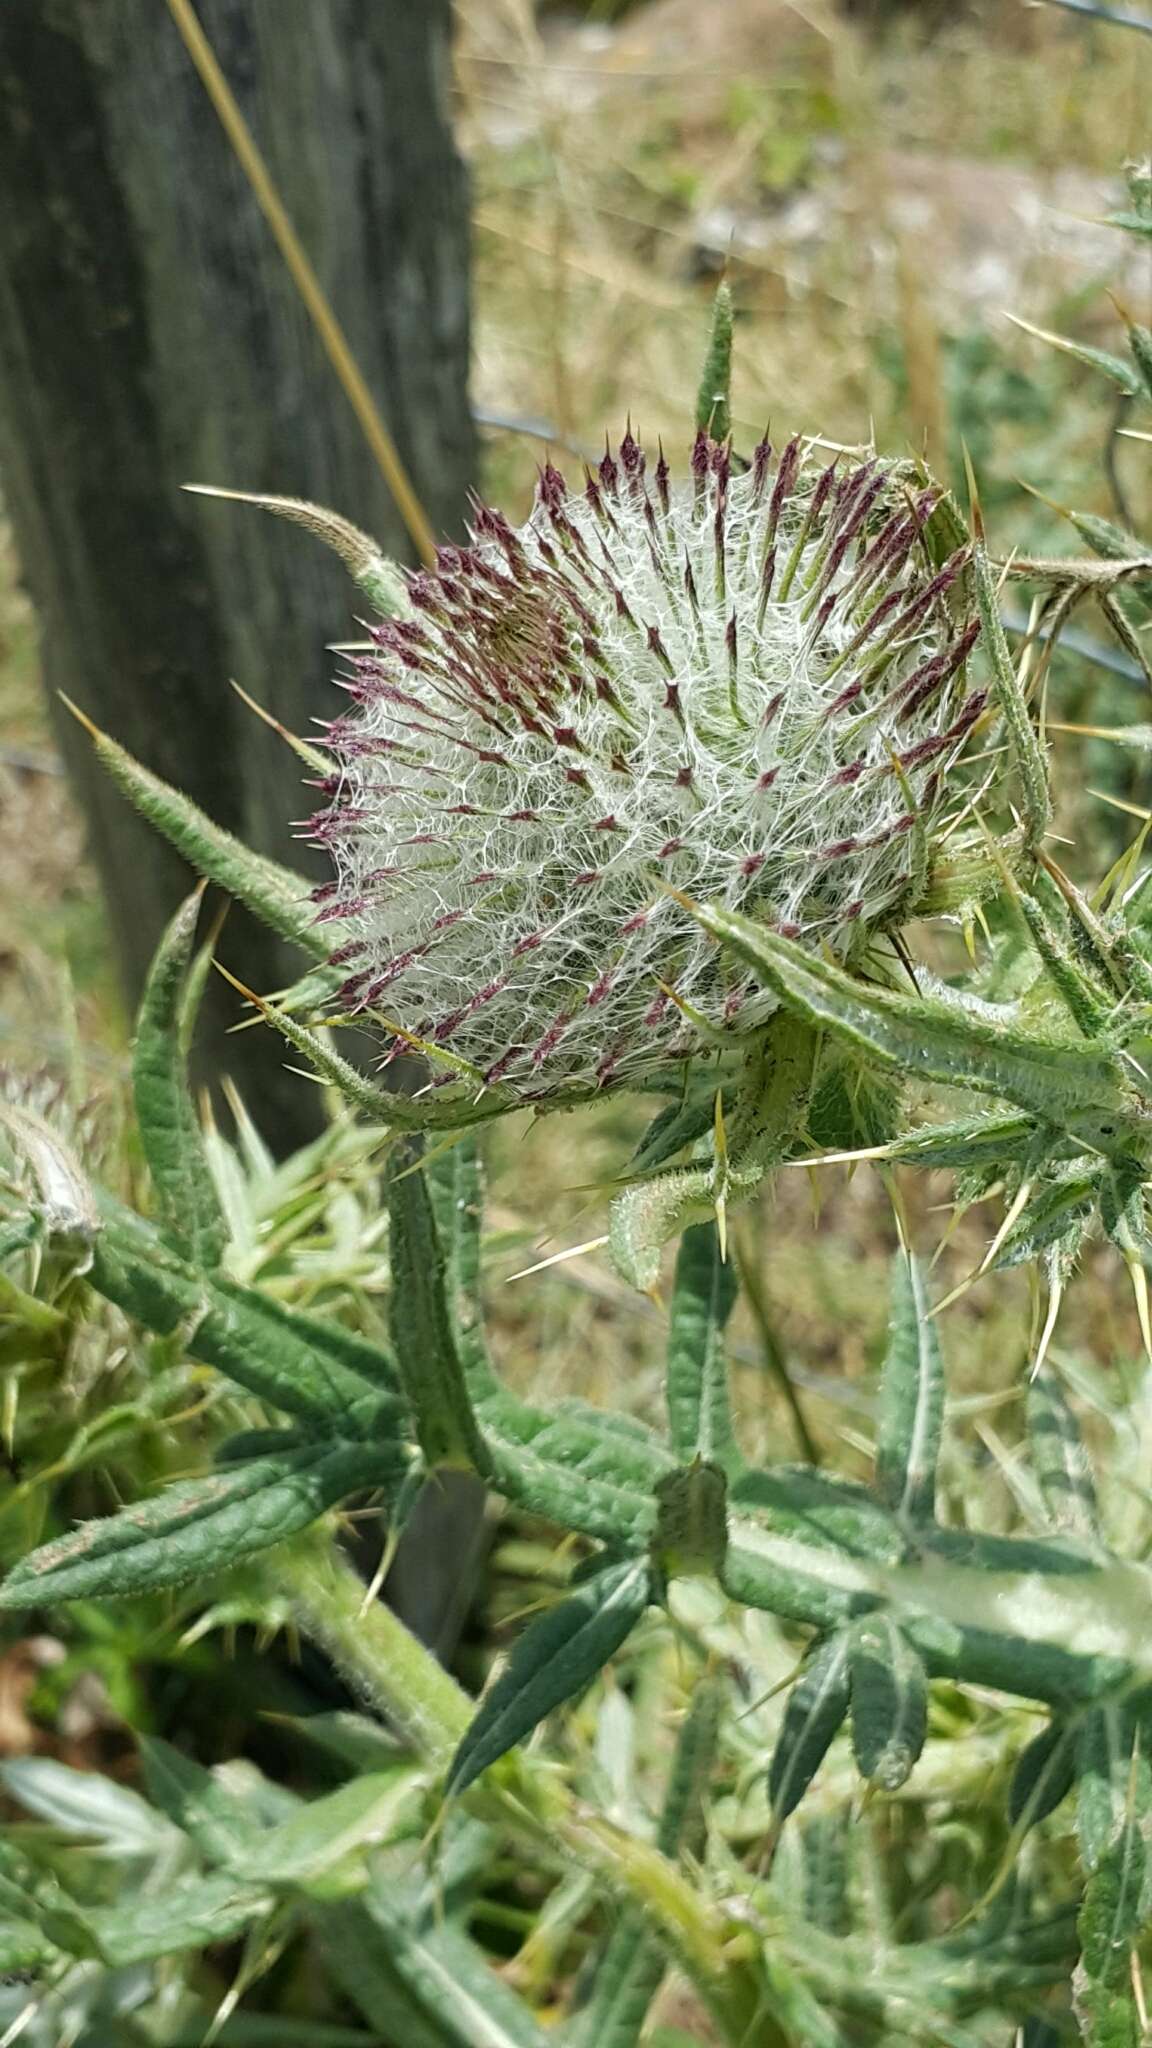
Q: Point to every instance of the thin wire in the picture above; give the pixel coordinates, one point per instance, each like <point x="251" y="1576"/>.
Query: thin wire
<point x="1140" y="22"/>
<point x="304" y="278"/>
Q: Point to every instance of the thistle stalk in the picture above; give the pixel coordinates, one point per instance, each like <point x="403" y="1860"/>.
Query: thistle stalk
<point x="402" y="1681"/>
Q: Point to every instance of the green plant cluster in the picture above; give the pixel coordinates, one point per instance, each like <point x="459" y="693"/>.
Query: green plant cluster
<point x="889" y="1600"/>
<point x="802" y="1714"/>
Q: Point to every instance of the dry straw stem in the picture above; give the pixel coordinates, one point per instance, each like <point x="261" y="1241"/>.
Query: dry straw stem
<point x="304" y="277"/>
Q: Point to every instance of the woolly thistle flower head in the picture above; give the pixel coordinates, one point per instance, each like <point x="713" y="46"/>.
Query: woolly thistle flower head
<point x="747" y="689"/>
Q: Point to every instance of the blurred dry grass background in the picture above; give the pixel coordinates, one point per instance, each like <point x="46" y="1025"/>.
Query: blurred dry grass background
<point x="872" y="200"/>
<point x="879" y="204"/>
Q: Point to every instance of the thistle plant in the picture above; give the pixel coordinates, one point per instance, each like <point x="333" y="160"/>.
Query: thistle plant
<point x="642" y="796"/>
<point x="749" y="689"/>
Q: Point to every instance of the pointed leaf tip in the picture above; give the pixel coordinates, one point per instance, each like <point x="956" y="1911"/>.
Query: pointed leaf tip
<point x="713" y="414"/>
<point x="552" y="1662"/>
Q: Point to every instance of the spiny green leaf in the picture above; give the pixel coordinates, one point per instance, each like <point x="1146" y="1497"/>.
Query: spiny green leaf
<point x="824" y="1845"/>
<point x="450" y="1110"/>
<point x="1089" y="1010"/>
<point x="1110" y="1919"/>
<point x="216" y="1820"/>
<point x="1140" y="343"/>
<point x="272" y="893"/>
<point x="699" y="1414"/>
<point x="555" y="1658"/>
<point x="889" y="1703"/>
<point x="818" y="1508"/>
<point x="1113" y="543"/>
<point x="456" y="1193"/>
<point x="1059" y="1457"/>
<point x="816" y="1708"/>
<point x="1107" y="2019"/>
<point x="380" y="578"/>
<point x="197" y="1528"/>
<point x="676" y="1125"/>
<point x="237" y="1832"/>
<point x="36" y="1897"/>
<point x="712" y="400"/>
<point x="643" y="1218"/>
<point x="308" y="1367"/>
<point x="85" y="1804"/>
<point x="971" y="1142"/>
<point x="427" y="1986"/>
<point x="575" y="1470"/>
<point x="193" y="1912"/>
<point x="169" y="1126"/>
<point x="422" y="1324"/>
<point x="1043" y="1775"/>
<point x="936" y="1040"/>
<point x="911" y="1399"/>
<point x="692" y="1520"/>
<point x="326" y="1831"/>
<point x="1055" y="1215"/>
<point x="629" y="1973"/>
<point x="1113" y="1775"/>
<point x="1027" y="752"/>
<point x="1115" y="367"/>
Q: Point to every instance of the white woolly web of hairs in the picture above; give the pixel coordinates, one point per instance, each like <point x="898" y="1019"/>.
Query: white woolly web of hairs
<point x="514" y="910"/>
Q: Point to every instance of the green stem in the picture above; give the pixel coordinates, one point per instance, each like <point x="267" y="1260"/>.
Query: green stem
<point x="402" y="1680"/>
<point x="774" y="1091"/>
<point x="380" y="1659"/>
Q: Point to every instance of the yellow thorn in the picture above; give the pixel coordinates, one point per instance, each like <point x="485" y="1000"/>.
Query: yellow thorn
<point x="959" y="1211"/>
<point x="429" y="1051"/>
<point x="1118" y="804"/>
<point x="687" y="903"/>
<point x="1055" y="1297"/>
<point x="1017" y="1205"/>
<point x="11" y="1404"/>
<point x="81" y="717"/>
<point x="1093" y="732"/>
<point x="892" y="1189"/>
<point x="1119" y="875"/>
<point x="721" y="1134"/>
<point x="840" y="1158"/>
<point x="721" y="1200"/>
<point x="574" y="1251"/>
<point x="721" y="1207"/>
<point x="956" y="1294"/>
<point x="1139" y="1279"/>
<point x="375" y="1583"/>
<point x="249" y="995"/>
<point x="1053" y="506"/>
<point x="310" y="755"/>
<point x="977" y="516"/>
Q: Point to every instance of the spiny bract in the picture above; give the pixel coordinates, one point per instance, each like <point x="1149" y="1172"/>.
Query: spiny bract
<point x="747" y="689"/>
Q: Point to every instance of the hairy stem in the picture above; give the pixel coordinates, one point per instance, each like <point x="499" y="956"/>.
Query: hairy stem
<point x="403" y="1682"/>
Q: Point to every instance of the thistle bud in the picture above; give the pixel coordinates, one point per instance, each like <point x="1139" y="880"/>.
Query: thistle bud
<point x="747" y="691"/>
